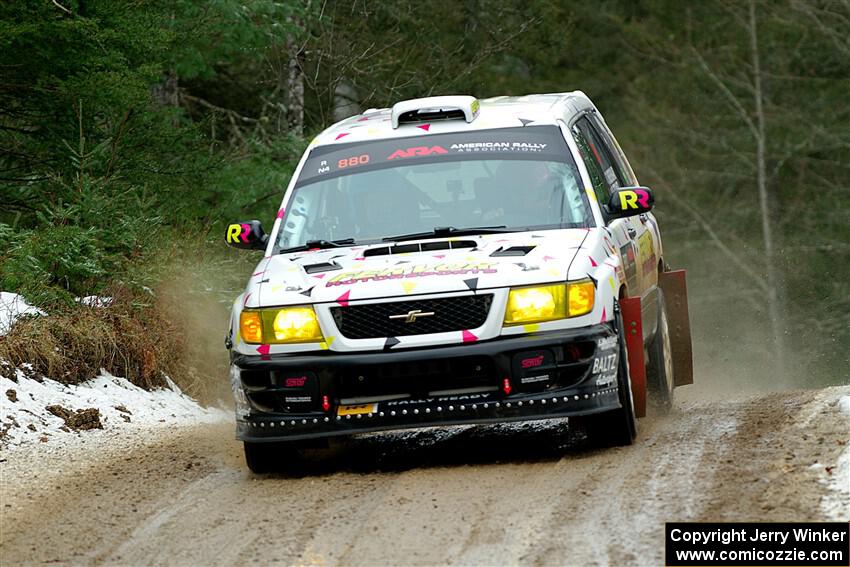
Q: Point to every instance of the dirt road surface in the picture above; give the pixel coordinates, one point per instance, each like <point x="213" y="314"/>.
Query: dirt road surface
<point x="495" y="495"/>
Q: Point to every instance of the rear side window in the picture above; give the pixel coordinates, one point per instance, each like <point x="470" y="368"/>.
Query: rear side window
<point x="600" y="153"/>
<point x="597" y="178"/>
<point x="625" y="172"/>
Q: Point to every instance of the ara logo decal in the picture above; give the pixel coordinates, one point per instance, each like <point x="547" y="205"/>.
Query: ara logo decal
<point x="418" y="151"/>
<point x="237" y="232"/>
<point x="632" y="198"/>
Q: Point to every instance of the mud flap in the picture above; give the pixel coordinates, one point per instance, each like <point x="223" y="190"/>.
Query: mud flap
<point x="676" y="297"/>
<point x="630" y="309"/>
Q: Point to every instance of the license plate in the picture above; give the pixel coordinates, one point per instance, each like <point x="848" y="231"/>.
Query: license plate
<point x="357" y="410"/>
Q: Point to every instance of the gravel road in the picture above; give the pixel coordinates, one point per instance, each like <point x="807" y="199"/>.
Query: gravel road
<point x="495" y="495"/>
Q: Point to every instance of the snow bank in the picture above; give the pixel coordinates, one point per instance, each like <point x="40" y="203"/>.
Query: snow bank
<point x="13" y="306"/>
<point x="837" y="506"/>
<point x="24" y="418"/>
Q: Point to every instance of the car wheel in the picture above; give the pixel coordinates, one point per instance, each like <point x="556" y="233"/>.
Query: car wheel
<point x="616" y="427"/>
<point x="263" y="458"/>
<point x="659" y="368"/>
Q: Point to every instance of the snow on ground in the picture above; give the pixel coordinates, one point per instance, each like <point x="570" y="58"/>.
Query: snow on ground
<point x="13" y="306"/>
<point x="25" y="419"/>
<point x="837" y="478"/>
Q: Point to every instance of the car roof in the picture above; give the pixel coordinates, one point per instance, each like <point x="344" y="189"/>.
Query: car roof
<point x="496" y="112"/>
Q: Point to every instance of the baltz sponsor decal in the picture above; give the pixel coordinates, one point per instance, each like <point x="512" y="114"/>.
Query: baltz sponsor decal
<point x="418" y="151"/>
<point x="414" y="271"/>
<point x="606" y="343"/>
<point x="604" y="363"/>
<point x="532" y="362"/>
<point x="498" y="147"/>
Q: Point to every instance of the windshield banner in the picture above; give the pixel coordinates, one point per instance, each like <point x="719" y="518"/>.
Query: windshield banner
<point x="538" y="143"/>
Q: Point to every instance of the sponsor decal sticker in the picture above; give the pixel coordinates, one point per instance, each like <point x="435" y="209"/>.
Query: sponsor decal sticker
<point x="411" y="271"/>
<point x="418" y="151"/>
<point x="532" y="362"/>
<point x="361" y="409"/>
<point x="606" y="379"/>
<point x="534" y="379"/>
<point x="605" y="363"/>
<point x="296" y="382"/>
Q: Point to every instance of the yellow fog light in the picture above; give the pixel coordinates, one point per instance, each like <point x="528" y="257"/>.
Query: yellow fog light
<point x="296" y="325"/>
<point x="251" y="327"/>
<point x="536" y="304"/>
<point x="581" y="295"/>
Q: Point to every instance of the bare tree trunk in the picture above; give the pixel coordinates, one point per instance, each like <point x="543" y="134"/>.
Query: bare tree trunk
<point x="166" y="93"/>
<point x="773" y="280"/>
<point x="293" y="88"/>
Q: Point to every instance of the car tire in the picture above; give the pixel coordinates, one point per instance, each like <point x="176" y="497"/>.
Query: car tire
<point x="264" y="458"/>
<point x="659" y="368"/>
<point x="615" y="428"/>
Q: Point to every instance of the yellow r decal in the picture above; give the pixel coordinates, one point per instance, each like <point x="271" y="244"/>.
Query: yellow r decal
<point x="628" y="200"/>
<point x="233" y="232"/>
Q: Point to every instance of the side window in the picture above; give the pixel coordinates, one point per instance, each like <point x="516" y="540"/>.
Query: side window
<point x="621" y="163"/>
<point x="597" y="178"/>
<point x="610" y="170"/>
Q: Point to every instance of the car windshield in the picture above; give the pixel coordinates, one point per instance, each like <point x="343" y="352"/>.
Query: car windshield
<point x="367" y="192"/>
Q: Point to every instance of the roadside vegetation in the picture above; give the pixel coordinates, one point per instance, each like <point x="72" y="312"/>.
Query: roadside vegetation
<point x="130" y="131"/>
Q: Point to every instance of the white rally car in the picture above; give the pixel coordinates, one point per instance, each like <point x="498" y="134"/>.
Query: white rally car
<point x="451" y="261"/>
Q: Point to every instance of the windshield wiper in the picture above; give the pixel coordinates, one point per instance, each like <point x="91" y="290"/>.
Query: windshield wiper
<point x="319" y="244"/>
<point x="451" y="231"/>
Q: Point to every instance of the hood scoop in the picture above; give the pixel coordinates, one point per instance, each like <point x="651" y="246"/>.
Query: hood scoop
<point x="513" y="251"/>
<point x="322" y="267"/>
<point x="420" y="247"/>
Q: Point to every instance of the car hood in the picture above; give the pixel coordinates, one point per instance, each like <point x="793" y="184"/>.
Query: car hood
<point x="443" y="265"/>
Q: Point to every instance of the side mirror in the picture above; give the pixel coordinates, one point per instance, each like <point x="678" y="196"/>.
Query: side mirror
<point x="246" y="235"/>
<point x="629" y="201"/>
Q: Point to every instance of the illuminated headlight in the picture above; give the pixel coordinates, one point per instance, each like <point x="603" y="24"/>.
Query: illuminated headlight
<point x="547" y="303"/>
<point x="283" y="325"/>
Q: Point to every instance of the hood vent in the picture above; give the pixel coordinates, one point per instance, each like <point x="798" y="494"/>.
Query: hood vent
<point x="513" y="251"/>
<point x="323" y="267"/>
<point x="420" y="247"/>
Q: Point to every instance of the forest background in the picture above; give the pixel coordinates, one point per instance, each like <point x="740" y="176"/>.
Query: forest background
<point x="132" y="130"/>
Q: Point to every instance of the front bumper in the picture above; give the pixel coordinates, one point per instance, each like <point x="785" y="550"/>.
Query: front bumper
<point x="546" y="375"/>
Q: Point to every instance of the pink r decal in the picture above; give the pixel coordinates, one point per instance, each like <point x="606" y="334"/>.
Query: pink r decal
<point x="643" y="198"/>
<point x="246" y="230"/>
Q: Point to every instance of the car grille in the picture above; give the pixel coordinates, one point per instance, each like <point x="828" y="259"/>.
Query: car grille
<point x="450" y="314"/>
